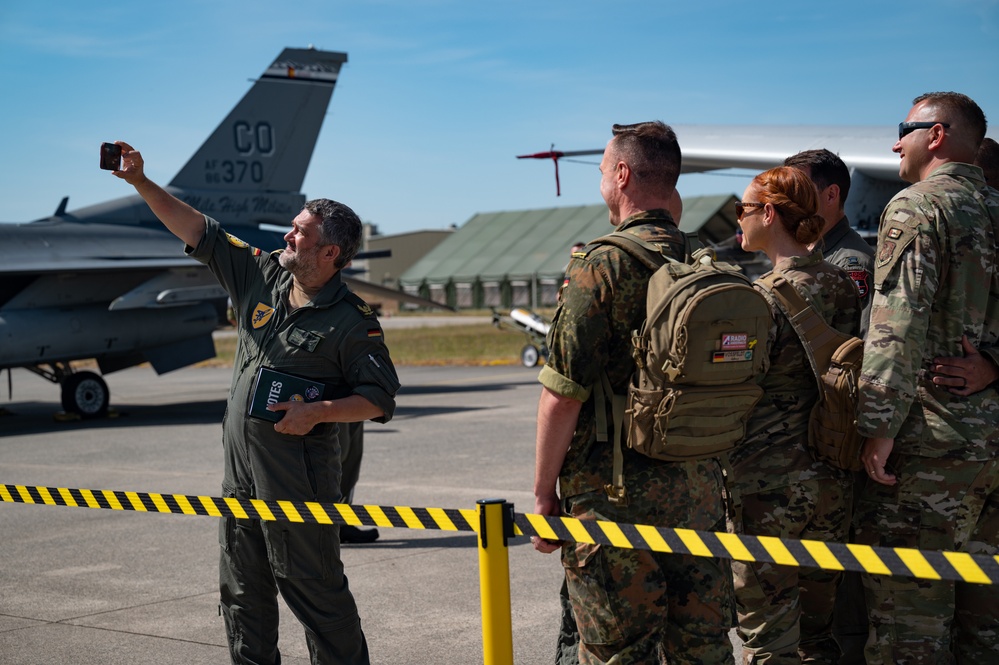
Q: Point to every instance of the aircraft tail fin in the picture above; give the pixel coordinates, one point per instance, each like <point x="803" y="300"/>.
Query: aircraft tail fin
<point x="267" y="140"/>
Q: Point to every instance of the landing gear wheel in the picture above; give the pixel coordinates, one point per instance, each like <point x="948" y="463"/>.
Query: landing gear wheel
<point x="86" y="394"/>
<point x="529" y="355"/>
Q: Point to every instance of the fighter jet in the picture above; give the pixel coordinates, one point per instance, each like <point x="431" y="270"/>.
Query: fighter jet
<point x="108" y="282"/>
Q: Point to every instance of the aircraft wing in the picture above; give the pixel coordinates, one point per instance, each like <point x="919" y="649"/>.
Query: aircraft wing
<point x="760" y="147"/>
<point x="866" y="150"/>
<point x="369" y="288"/>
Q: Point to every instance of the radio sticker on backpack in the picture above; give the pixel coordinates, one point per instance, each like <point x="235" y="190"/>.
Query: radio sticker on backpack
<point x="734" y="341"/>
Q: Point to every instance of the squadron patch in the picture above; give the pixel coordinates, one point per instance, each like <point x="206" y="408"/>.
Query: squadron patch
<point x="236" y="242"/>
<point x="261" y="315"/>
<point x="887" y="251"/>
<point x="859" y="278"/>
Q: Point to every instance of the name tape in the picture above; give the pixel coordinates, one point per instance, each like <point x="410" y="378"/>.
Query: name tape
<point x="893" y="561"/>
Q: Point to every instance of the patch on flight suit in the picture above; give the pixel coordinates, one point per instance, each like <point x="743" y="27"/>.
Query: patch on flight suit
<point x="236" y="242"/>
<point x="894" y="233"/>
<point x="364" y="308"/>
<point x="261" y="315"/>
<point x="374" y="332"/>
<point x="859" y="278"/>
<point x="304" y="339"/>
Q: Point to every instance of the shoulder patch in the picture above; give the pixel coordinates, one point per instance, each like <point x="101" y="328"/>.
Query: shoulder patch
<point x="261" y="315"/>
<point x="360" y="305"/>
<point x="236" y="242"/>
<point x="886" y="252"/>
<point x="859" y="278"/>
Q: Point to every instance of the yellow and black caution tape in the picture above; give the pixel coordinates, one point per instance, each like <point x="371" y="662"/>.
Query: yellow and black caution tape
<point x="895" y="561"/>
<point x="402" y="517"/>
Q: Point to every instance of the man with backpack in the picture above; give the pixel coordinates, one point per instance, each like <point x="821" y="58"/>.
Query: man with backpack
<point x="635" y="605"/>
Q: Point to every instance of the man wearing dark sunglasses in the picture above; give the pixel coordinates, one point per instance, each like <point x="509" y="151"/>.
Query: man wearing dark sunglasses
<point x="932" y="454"/>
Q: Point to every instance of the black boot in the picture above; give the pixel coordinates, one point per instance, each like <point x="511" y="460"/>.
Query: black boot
<point x="352" y="534"/>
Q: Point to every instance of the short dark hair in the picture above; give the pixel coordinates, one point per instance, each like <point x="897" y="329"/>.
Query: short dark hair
<point x="340" y="226"/>
<point x="652" y="152"/>
<point x="988" y="160"/>
<point x="966" y="117"/>
<point x="825" y="168"/>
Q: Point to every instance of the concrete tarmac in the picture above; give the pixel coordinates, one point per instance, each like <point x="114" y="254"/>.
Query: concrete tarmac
<point x="99" y="586"/>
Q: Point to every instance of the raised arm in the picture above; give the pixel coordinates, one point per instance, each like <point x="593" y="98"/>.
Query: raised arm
<point x="180" y="219"/>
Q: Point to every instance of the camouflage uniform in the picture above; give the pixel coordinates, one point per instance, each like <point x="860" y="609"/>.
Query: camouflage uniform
<point x="936" y="263"/>
<point x="631" y="606"/>
<point x="786" y="611"/>
<point x="844" y="247"/>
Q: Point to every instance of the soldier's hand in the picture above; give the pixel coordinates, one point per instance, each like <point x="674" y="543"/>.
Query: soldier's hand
<point x="132" y="167"/>
<point x="299" y="417"/>
<point x="874" y="455"/>
<point x="546" y="506"/>
<point x="967" y="375"/>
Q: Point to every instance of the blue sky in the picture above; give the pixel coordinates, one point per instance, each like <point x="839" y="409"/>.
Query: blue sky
<point x="438" y="96"/>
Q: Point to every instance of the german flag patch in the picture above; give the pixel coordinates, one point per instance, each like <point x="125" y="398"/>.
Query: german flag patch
<point x="374" y="332"/>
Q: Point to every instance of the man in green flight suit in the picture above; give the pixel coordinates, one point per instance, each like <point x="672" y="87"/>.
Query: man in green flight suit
<point x="297" y="316"/>
<point x="932" y="452"/>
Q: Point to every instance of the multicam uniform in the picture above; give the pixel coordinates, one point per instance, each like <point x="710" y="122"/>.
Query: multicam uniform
<point x="784" y="491"/>
<point x="335" y="339"/>
<point x="631" y="603"/>
<point x="936" y="279"/>
<point x="844" y="247"/>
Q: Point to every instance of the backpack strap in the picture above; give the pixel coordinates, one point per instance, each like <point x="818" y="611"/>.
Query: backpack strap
<point x="811" y="328"/>
<point x="652" y="257"/>
<point x="650" y="254"/>
<point x="616" y="492"/>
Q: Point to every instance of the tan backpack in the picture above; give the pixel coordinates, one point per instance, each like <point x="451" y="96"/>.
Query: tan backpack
<point x="698" y="356"/>
<point x="835" y="359"/>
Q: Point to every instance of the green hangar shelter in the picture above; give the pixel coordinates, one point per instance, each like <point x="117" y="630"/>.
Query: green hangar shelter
<point x="517" y="259"/>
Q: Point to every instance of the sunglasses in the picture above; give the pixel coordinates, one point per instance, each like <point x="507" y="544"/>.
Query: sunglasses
<point x="905" y="128"/>
<point x="740" y="208"/>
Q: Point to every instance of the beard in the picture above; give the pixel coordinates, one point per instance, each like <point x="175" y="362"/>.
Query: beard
<point x="301" y="264"/>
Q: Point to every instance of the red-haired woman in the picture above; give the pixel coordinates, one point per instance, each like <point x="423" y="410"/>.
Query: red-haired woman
<point x="785" y="613"/>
